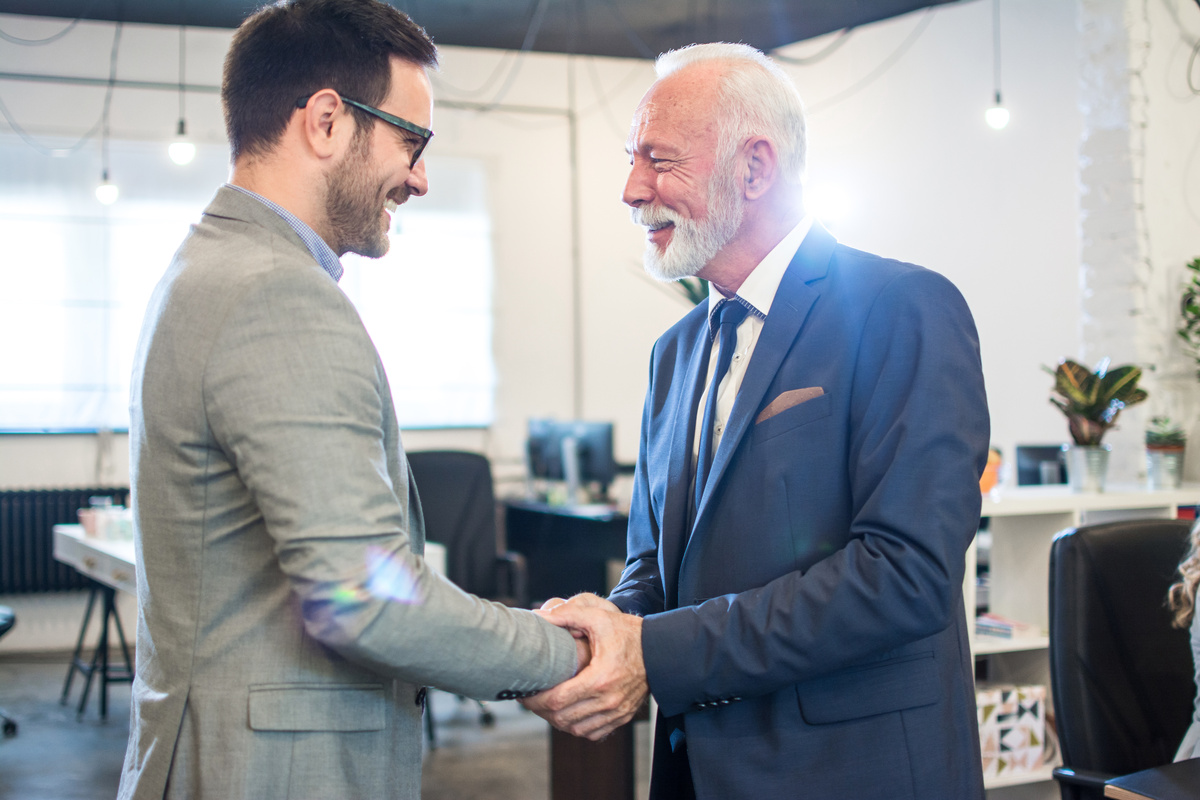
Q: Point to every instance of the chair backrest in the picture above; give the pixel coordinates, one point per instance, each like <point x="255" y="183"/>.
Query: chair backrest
<point x="459" y="506"/>
<point x="1121" y="676"/>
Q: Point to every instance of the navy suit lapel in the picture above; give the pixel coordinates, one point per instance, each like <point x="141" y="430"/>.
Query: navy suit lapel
<point x="791" y="305"/>
<point x="677" y="509"/>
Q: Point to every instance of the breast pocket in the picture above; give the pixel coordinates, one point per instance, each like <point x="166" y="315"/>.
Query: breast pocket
<point x="803" y="414"/>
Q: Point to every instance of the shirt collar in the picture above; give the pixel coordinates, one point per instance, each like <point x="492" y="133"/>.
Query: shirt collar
<point x="317" y="247"/>
<point x="757" y="292"/>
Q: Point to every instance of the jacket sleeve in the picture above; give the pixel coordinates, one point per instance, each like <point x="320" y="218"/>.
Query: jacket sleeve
<point x="640" y="590"/>
<point x="917" y="440"/>
<point x="297" y="399"/>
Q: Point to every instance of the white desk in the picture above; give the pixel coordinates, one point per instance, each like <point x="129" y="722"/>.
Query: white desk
<point x="109" y="563"/>
<point x="112" y="563"/>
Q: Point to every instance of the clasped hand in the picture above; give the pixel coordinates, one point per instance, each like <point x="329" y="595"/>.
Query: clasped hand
<point x="611" y="687"/>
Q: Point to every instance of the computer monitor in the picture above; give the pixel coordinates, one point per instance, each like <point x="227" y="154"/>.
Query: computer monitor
<point x="575" y="451"/>
<point x="1039" y="464"/>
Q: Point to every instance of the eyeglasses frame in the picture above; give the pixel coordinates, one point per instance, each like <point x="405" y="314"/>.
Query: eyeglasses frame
<point x="425" y="133"/>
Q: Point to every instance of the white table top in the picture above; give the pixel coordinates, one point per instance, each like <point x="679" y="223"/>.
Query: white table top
<point x="113" y="562"/>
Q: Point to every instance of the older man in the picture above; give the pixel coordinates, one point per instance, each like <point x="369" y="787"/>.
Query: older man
<point x="287" y="623"/>
<point x="806" y="486"/>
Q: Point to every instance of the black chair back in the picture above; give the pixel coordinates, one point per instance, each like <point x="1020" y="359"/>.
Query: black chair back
<point x="1121" y="676"/>
<point x="459" y="505"/>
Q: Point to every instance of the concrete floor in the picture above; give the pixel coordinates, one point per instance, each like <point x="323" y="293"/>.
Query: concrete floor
<point x="54" y="756"/>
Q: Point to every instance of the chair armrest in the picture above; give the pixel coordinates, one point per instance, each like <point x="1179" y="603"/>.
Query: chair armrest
<point x="1082" y="777"/>
<point x="514" y="578"/>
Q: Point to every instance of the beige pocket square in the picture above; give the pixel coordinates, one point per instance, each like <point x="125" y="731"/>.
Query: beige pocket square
<point x="788" y="399"/>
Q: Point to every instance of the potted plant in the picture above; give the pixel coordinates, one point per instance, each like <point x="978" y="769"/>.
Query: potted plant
<point x="1189" y="311"/>
<point x="1091" y="401"/>
<point x="1165" y="442"/>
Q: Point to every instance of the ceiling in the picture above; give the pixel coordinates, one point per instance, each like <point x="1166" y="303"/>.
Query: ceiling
<point x="626" y="28"/>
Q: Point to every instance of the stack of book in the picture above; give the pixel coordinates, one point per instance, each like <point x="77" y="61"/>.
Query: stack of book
<point x="1001" y="627"/>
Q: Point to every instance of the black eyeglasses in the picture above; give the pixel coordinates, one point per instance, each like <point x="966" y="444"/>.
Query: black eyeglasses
<point x="390" y="119"/>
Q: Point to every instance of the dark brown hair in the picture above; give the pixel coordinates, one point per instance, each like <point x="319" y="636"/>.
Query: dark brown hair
<point x="294" y="48"/>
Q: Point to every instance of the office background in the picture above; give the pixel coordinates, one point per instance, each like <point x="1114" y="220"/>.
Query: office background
<point x="1067" y="231"/>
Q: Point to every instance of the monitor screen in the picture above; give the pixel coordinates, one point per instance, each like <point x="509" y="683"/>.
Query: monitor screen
<point x="591" y="442"/>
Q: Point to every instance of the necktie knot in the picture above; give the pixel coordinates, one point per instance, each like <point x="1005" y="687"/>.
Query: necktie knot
<point x="728" y="312"/>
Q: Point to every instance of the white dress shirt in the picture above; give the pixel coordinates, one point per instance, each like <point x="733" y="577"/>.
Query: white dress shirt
<point x="757" y="292"/>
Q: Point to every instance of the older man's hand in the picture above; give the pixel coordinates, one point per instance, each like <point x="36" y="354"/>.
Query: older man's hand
<point x="609" y="691"/>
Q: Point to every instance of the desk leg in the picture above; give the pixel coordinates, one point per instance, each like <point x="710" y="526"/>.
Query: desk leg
<point x="585" y="770"/>
<point x="99" y="667"/>
<point x="77" y="654"/>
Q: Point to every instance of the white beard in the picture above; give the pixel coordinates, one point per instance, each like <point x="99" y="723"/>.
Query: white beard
<point x="693" y="243"/>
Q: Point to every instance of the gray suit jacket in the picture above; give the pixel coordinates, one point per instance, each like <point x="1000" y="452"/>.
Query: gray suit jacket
<point x="286" y="620"/>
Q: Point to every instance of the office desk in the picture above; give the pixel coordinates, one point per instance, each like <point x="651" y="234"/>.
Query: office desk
<point x="567" y="548"/>
<point x="110" y="566"/>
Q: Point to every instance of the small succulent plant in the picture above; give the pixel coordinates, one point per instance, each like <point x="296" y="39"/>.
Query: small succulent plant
<point x="1164" y="434"/>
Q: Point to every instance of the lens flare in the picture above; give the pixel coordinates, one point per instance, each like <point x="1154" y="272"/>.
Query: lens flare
<point x="389" y="577"/>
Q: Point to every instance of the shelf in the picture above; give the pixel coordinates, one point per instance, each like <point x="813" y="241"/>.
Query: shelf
<point x="988" y="645"/>
<point x="1025" y="500"/>
<point x="1046" y="773"/>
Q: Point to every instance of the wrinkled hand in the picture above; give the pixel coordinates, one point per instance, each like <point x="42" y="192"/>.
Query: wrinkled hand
<point x="612" y="687"/>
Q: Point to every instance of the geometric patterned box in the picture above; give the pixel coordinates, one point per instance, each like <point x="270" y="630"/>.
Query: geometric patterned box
<point x="1012" y="728"/>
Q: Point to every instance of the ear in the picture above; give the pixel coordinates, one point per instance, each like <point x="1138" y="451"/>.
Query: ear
<point x="762" y="167"/>
<point x="327" y="124"/>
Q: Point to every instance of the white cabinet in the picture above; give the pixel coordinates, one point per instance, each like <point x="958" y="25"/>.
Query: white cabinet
<point x="1023" y="523"/>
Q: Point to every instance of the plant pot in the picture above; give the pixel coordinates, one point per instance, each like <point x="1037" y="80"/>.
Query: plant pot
<point x="1087" y="466"/>
<point x="1164" y="467"/>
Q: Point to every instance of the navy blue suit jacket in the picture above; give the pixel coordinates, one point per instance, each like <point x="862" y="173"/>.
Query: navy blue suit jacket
<point x="809" y="629"/>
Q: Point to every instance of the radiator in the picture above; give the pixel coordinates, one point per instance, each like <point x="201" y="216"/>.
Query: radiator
<point x="27" y="520"/>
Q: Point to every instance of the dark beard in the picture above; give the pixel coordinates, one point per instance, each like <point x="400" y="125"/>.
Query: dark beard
<point x="352" y="206"/>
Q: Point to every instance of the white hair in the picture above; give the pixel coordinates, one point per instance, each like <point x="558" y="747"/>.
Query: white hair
<point x="757" y="99"/>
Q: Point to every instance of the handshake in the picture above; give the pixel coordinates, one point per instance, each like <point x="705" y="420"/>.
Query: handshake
<point x="611" y="683"/>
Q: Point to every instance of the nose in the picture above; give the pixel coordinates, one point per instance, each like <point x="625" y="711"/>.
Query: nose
<point x="417" y="182"/>
<point x="638" y="186"/>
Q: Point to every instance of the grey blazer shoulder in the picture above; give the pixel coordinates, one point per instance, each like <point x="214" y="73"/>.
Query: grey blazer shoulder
<point x="286" y="619"/>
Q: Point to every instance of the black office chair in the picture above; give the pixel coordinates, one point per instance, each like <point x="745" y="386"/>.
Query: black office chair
<point x="459" y="505"/>
<point x="7" y="620"/>
<point x="1122" y="677"/>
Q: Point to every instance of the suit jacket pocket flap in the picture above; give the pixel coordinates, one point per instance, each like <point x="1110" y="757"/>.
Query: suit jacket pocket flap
<point x="877" y="689"/>
<point x="317" y="707"/>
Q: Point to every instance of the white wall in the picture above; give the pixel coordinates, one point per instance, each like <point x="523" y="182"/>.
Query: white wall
<point x="997" y="212"/>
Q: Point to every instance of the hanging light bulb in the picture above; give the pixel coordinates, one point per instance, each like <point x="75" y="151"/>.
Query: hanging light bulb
<point x="107" y="192"/>
<point x="181" y="150"/>
<point x="997" y="115"/>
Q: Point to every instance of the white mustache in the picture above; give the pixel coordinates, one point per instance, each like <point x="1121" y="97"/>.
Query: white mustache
<point x="653" y="217"/>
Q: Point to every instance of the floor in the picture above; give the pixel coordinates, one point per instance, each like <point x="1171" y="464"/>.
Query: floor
<point x="55" y="756"/>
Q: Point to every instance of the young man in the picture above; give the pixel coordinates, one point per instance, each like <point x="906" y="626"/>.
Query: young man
<point x="287" y="622"/>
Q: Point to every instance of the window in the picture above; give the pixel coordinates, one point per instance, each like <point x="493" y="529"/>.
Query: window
<point x="76" y="275"/>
